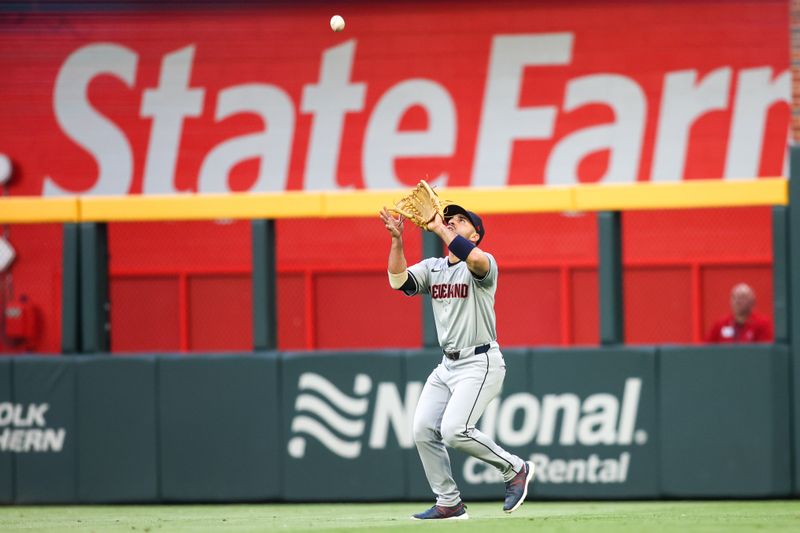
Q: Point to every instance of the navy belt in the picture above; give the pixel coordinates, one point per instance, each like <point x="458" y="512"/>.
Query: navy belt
<point x="453" y="356"/>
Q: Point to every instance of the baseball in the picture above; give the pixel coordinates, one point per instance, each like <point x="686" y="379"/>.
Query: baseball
<point x="337" y="23"/>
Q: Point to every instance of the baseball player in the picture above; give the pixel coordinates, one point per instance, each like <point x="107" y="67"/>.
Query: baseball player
<point x="462" y="287"/>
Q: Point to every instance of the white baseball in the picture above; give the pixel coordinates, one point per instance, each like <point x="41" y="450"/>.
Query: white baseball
<point x="337" y="23"/>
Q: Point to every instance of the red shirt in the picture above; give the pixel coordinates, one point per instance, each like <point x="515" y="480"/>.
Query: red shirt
<point x="756" y="328"/>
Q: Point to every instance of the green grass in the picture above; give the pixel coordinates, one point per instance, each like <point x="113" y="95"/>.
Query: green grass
<point x="533" y="517"/>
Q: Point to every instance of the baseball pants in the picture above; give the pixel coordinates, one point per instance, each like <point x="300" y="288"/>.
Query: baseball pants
<point x="453" y="399"/>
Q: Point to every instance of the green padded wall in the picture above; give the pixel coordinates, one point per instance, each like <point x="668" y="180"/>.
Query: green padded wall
<point x="341" y="414"/>
<point x="683" y="421"/>
<point x="48" y="475"/>
<point x="218" y="427"/>
<point x="725" y="421"/>
<point x="6" y="456"/>
<point x="117" y="429"/>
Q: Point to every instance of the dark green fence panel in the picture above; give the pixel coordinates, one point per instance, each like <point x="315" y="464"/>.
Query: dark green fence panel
<point x="117" y="430"/>
<point x="46" y="438"/>
<point x="6" y="455"/>
<point x="342" y="413"/>
<point x="594" y="423"/>
<point x="725" y="421"/>
<point x="218" y="426"/>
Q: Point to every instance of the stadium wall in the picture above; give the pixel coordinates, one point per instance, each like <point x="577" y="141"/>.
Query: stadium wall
<point x="85" y="104"/>
<point x="605" y="423"/>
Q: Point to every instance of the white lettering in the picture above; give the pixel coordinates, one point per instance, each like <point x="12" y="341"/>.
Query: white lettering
<point x="551" y="404"/>
<point x="623" y="138"/>
<point x="630" y="408"/>
<point x="6" y="412"/>
<point x="272" y="146"/>
<point x="389" y="409"/>
<point x="17" y="415"/>
<point x="589" y="470"/>
<point x="17" y="419"/>
<point x="624" y="462"/>
<point x="683" y="103"/>
<point x="598" y="425"/>
<point x="383" y="143"/>
<point x="576" y="472"/>
<point x="609" y="471"/>
<point x="16" y="440"/>
<point x="756" y="92"/>
<point x="329" y="101"/>
<point x="168" y="105"/>
<point x="53" y="440"/>
<point x="556" y="470"/>
<point x="33" y="440"/>
<point x="471" y="467"/>
<point x="36" y="414"/>
<point x="592" y="464"/>
<point x="529" y="406"/>
<point x="502" y="120"/>
<point x="476" y="472"/>
<point x="79" y="121"/>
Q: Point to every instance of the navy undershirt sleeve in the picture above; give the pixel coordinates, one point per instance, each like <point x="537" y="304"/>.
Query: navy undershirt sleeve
<point x="410" y="285"/>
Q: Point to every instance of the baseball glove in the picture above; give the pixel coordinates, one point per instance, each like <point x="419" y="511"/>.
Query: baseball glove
<point x="420" y="206"/>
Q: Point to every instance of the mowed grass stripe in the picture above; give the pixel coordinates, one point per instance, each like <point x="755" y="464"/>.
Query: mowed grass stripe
<point x="533" y="516"/>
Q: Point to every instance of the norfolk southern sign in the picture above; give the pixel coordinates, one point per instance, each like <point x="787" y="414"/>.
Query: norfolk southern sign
<point x="24" y="429"/>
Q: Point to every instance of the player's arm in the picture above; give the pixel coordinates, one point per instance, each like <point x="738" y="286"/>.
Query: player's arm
<point x="477" y="261"/>
<point x="398" y="267"/>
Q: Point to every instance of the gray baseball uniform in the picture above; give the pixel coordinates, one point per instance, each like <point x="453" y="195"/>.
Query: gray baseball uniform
<point x="470" y="375"/>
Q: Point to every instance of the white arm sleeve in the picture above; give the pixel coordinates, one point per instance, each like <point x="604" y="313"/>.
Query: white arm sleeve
<point x="396" y="280"/>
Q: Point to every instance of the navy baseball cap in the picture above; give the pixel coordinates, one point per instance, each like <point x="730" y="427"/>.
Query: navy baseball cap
<point x="452" y="210"/>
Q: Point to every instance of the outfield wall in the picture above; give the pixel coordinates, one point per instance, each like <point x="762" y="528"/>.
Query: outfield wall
<point x="600" y="423"/>
<point x="218" y="99"/>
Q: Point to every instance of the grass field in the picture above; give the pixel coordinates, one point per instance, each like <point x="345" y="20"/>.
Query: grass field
<point x="536" y="517"/>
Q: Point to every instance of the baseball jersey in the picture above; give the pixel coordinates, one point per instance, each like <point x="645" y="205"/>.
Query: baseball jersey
<point x="755" y="329"/>
<point x="463" y="305"/>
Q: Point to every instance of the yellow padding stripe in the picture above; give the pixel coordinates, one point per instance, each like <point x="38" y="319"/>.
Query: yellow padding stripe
<point x="516" y="199"/>
<point x="358" y="203"/>
<point x="34" y="209"/>
<point x="519" y="199"/>
<point x="526" y="199"/>
<point x="201" y="207"/>
<point x="686" y="194"/>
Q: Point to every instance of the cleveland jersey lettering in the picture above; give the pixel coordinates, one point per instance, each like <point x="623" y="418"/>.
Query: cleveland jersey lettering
<point x="463" y="305"/>
<point x="442" y="291"/>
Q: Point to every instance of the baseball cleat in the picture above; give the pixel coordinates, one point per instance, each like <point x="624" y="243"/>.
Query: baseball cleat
<point x="517" y="488"/>
<point x="440" y="512"/>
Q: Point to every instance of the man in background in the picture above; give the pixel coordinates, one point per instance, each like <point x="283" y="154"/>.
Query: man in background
<point x="742" y="324"/>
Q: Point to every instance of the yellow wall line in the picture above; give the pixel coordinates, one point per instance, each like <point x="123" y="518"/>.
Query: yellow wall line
<point x="516" y="199"/>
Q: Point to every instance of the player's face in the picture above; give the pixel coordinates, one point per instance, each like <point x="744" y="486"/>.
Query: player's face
<point x="462" y="226"/>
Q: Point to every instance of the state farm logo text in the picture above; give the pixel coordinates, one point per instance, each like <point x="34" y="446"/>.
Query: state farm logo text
<point x="644" y="122"/>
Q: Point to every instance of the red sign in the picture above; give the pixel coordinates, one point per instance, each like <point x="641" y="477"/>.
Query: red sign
<point x="215" y="100"/>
